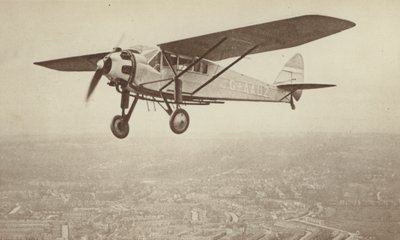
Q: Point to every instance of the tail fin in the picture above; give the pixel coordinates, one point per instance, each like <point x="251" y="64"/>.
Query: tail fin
<point x="292" y="73"/>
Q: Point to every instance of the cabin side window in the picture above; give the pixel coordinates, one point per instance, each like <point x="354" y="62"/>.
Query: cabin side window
<point x="180" y="63"/>
<point x="183" y="63"/>
<point x="204" y="68"/>
<point x="201" y="67"/>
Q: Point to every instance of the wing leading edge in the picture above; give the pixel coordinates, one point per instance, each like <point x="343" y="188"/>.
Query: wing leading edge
<point x="269" y="36"/>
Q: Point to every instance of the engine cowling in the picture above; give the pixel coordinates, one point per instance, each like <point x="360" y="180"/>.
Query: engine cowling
<point x="122" y="65"/>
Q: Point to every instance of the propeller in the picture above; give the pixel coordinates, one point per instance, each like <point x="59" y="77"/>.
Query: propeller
<point x="103" y="67"/>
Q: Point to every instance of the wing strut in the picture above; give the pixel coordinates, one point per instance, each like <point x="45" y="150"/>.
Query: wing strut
<point x="178" y="82"/>
<point x="223" y="70"/>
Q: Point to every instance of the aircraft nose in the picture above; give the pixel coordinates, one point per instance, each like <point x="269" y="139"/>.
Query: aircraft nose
<point x="105" y="64"/>
<point x="117" y="65"/>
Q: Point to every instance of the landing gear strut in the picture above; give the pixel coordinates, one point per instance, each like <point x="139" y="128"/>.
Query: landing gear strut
<point x="120" y="123"/>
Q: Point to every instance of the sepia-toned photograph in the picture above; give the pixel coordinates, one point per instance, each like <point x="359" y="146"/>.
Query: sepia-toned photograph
<point x="199" y="120"/>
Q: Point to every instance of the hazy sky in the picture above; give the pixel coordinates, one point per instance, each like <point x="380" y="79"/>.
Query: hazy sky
<point x="363" y="61"/>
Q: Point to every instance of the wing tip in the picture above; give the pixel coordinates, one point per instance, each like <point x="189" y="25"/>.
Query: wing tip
<point x="343" y="23"/>
<point x="329" y="85"/>
<point x="347" y="24"/>
<point x="46" y="64"/>
<point x="37" y="63"/>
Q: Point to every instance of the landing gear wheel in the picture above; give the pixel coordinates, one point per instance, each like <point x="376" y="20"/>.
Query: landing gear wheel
<point x="119" y="128"/>
<point x="179" y="121"/>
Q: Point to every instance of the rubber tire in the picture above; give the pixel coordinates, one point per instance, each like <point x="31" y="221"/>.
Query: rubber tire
<point x="172" y="119"/>
<point x="118" y="130"/>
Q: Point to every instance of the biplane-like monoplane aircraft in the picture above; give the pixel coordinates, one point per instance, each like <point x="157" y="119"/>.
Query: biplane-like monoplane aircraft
<point x="184" y="72"/>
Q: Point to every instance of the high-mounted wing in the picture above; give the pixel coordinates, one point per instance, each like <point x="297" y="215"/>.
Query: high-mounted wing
<point x="79" y="63"/>
<point x="268" y="36"/>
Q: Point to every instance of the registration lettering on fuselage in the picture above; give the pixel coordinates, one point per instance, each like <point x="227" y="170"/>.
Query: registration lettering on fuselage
<point x="248" y="88"/>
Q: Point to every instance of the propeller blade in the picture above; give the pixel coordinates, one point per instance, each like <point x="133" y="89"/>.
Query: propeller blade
<point x="95" y="80"/>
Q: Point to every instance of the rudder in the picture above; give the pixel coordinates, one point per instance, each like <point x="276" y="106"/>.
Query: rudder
<point x="292" y="73"/>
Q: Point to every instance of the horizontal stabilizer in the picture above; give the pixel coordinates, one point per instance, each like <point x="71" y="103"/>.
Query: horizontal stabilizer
<point x="78" y="63"/>
<point x="303" y="86"/>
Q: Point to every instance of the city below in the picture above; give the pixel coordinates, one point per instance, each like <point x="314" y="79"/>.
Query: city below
<point x="310" y="186"/>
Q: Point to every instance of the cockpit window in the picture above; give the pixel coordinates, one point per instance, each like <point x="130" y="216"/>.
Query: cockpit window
<point x="155" y="62"/>
<point x="172" y="58"/>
